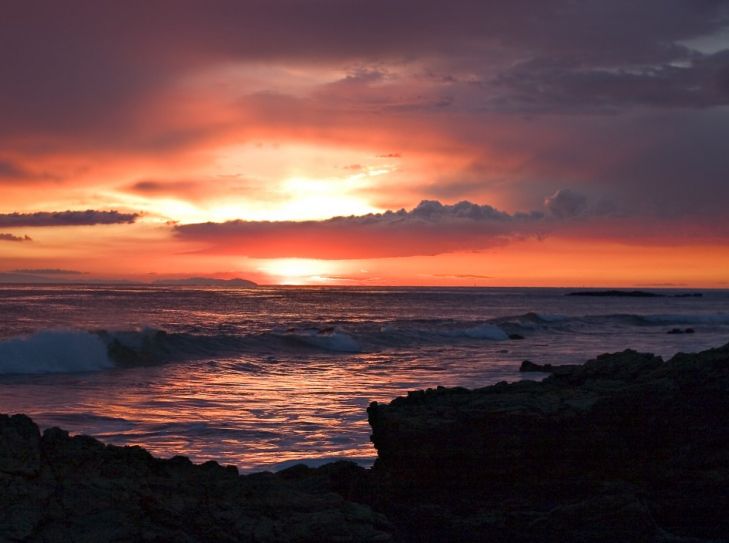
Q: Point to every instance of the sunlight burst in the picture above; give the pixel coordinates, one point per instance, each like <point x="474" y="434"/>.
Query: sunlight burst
<point x="298" y="271"/>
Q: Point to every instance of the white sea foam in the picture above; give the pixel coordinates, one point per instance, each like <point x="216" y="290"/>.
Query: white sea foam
<point x="54" y="351"/>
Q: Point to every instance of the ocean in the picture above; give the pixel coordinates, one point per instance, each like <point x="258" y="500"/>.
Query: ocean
<point x="268" y="377"/>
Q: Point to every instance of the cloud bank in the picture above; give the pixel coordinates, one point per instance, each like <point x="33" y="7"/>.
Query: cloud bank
<point x="12" y="237"/>
<point x="66" y="218"/>
<point x="428" y="229"/>
<point x="434" y="228"/>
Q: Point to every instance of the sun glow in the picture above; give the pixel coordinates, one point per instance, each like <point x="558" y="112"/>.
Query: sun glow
<point x="315" y="199"/>
<point x="299" y="271"/>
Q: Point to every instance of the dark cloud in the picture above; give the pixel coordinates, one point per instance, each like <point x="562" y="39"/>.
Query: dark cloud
<point x="553" y="85"/>
<point x="647" y="162"/>
<point x="566" y="203"/>
<point x="150" y="186"/>
<point x="91" y="66"/>
<point x="66" y="218"/>
<point x="430" y="228"/>
<point x="12" y="237"/>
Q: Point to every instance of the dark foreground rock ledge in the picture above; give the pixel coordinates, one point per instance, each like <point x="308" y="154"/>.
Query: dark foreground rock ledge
<point x="56" y="488"/>
<point x="625" y="448"/>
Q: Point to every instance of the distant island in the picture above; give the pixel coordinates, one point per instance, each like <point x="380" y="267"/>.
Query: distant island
<point x="632" y="294"/>
<point x="72" y="277"/>
<point x="207" y="282"/>
<point x="55" y="277"/>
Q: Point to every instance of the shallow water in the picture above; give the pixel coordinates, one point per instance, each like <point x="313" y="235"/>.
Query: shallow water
<point x="265" y="377"/>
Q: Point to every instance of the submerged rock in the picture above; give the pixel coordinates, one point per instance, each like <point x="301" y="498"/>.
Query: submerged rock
<point x="60" y="488"/>
<point x="625" y="448"/>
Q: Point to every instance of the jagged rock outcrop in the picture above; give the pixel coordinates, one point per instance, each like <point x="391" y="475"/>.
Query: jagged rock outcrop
<point x="624" y="448"/>
<point x="56" y="488"/>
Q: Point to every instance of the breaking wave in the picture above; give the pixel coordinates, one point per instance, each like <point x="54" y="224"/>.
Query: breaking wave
<point x="54" y="351"/>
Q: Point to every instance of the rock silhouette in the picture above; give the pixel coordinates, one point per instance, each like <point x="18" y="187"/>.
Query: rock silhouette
<point x="61" y="488"/>
<point x="624" y="448"/>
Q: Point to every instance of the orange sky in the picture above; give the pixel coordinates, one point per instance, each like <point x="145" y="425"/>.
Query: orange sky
<point x="228" y="140"/>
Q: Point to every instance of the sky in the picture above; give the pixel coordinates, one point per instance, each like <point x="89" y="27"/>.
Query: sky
<point x="377" y="142"/>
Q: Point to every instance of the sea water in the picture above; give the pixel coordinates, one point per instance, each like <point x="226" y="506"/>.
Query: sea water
<point x="263" y="378"/>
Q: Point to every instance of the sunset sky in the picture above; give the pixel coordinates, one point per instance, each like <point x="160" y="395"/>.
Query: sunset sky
<point x="348" y="142"/>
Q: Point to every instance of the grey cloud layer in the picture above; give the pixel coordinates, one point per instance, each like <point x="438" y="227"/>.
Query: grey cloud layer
<point x="687" y="80"/>
<point x="71" y="61"/>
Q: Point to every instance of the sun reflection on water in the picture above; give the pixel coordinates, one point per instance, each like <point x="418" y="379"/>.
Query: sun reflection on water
<point x="253" y="413"/>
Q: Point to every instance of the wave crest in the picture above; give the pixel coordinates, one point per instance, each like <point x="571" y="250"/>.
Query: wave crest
<point x="54" y="351"/>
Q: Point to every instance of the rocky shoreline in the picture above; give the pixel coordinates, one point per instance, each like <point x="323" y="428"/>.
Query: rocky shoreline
<point x="624" y="448"/>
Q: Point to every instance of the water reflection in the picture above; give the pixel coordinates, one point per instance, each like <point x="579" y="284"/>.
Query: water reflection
<point x="247" y="412"/>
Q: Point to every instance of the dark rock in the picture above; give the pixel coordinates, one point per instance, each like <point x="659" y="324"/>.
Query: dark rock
<point x="19" y="446"/>
<point x="620" y="367"/>
<point x="516" y="336"/>
<point x="528" y="365"/>
<point x="679" y="331"/>
<point x="626" y="447"/>
<point x="57" y="488"/>
<point x="559" y="371"/>
<point x="613" y="514"/>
